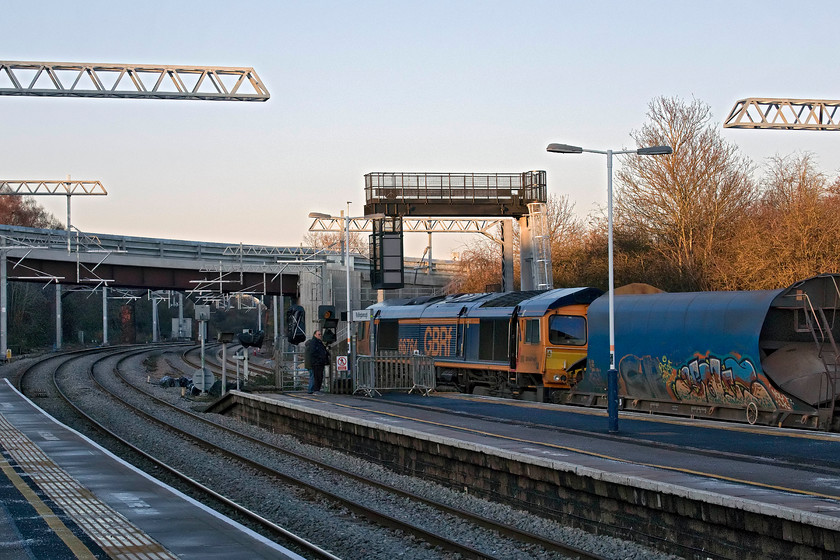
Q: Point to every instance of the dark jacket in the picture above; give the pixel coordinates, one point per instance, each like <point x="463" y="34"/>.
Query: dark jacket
<point x="318" y="354"/>
<point x="307" y="357"/>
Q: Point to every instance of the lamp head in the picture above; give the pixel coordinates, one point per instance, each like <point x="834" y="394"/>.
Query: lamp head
<point x="564" y="149"/>
<point x="655" y="151"/>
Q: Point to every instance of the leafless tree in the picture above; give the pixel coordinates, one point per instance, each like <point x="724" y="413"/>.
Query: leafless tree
<point x="479" y="267"/>
<point x="18" y="210"/>
<point x="480" y="261"/>
<point x="28" y="306"/>
<point x="791" y="232"/>
<point x="687" y="204"/>
<point x="334" y="241"/>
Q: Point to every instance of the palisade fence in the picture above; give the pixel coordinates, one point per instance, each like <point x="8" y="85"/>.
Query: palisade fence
<point x="394" y="372"/>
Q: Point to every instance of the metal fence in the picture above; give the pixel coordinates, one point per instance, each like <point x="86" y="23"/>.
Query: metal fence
<point x="291" y="375"/>
<point x="394" y="372"/>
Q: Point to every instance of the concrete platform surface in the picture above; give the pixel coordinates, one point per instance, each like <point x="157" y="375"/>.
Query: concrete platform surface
<point x="702" y="460"/>
<point x="64" y="496"/>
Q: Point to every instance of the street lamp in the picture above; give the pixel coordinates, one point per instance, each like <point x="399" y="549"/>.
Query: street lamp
<point x="320" y="216"/>
<point x="612" y="374"/>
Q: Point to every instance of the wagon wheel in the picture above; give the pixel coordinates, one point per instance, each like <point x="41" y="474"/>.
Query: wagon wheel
<point x="752" y="413"/>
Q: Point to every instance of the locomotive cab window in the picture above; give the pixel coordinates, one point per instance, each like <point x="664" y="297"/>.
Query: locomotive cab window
<point x="388" y="335"/>
<point x="567" y="330"/>
<point x="532" y="331"/>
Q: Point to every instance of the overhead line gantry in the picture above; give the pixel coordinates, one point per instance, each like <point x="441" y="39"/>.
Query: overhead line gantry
<point x="137" y="81"/>
<point x="784" y="114"/>
<point x="105" y="80"/>
<point x="442" y="203"/>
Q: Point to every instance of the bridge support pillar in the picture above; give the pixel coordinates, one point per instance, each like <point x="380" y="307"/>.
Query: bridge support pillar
<point x="155" y="327"/>
<point x="59" y="335"/>
<point x="507" y="255"/>
<point x="3" y="303"/>
<point x="526" y="255"/>
<point x="104" y="315"/>
<point x="276" y="327"/>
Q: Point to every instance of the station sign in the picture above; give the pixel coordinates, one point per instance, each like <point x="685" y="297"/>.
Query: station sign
<point x="361" y="315"/>
<point x="202" y="312"/>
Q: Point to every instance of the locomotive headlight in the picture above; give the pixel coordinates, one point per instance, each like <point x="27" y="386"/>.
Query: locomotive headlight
<point x="556" y="378"/>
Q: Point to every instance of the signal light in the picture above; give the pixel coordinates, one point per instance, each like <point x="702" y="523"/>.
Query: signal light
<point x="327" y="315"/>
<point x="329" y="322"/>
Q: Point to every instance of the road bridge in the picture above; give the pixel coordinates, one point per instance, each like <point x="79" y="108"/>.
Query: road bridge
<point x="208" y="271"/>
<point x="34" y="254"/>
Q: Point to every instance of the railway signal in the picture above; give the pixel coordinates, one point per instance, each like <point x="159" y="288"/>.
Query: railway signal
<point x="295" y="322"/>
<point x="329" y="322"/>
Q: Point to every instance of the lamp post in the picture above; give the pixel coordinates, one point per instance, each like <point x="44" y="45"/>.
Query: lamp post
<point x="612" y="374"/>
<point x="346" y="218"/>
<point x="350" y="353"/>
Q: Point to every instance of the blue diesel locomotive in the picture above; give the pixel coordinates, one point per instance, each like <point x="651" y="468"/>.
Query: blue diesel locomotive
<point x="766" y="357"/>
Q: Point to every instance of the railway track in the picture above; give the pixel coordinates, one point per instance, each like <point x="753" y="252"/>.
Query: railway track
<point x="41" y="391"/>
<point x="181" y="425"/>
<point x="504" y="529"/>
<point x="212" y="362"/>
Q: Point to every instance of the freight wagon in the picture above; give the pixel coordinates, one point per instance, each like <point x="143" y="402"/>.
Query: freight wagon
<point x="756" y="356"/>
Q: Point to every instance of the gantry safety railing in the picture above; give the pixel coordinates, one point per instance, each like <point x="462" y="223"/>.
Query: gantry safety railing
<point x="455" y="187"/>
<point x="394" y="372"/>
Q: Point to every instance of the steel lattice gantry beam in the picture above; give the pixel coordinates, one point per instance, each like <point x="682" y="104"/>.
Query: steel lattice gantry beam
<point x="785" y="114"/>
<point x="68" y="187"/>
<point x="417" y="225"/>
<point x="138" y="81"/>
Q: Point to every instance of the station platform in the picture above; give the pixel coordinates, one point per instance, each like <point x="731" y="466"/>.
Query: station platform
<point x="64" y="496"/>
<point x="655" y="471"/>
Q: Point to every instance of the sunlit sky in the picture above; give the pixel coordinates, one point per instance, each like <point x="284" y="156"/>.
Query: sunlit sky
<point x="357" y="87"/>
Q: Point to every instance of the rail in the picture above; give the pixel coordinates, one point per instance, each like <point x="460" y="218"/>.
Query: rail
<point x="394" y="372"/>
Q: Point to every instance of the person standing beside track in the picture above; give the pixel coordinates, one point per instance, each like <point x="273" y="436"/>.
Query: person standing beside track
<point x="315" y="358"/>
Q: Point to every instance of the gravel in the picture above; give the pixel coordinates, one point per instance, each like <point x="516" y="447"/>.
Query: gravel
<point x="323" y="523"/>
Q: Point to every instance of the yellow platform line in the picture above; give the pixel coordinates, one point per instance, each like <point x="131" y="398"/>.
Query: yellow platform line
<point x="48" y="515"/>
<point x="117" y="536"/>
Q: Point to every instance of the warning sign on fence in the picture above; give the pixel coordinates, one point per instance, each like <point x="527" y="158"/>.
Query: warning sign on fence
<point x="341" y="363"/>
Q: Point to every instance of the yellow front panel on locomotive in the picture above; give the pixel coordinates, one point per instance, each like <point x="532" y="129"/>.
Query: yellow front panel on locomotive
<point x="565" y="347"/>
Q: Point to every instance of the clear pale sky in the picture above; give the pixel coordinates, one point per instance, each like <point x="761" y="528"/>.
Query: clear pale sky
<point x="360" y="86"/>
